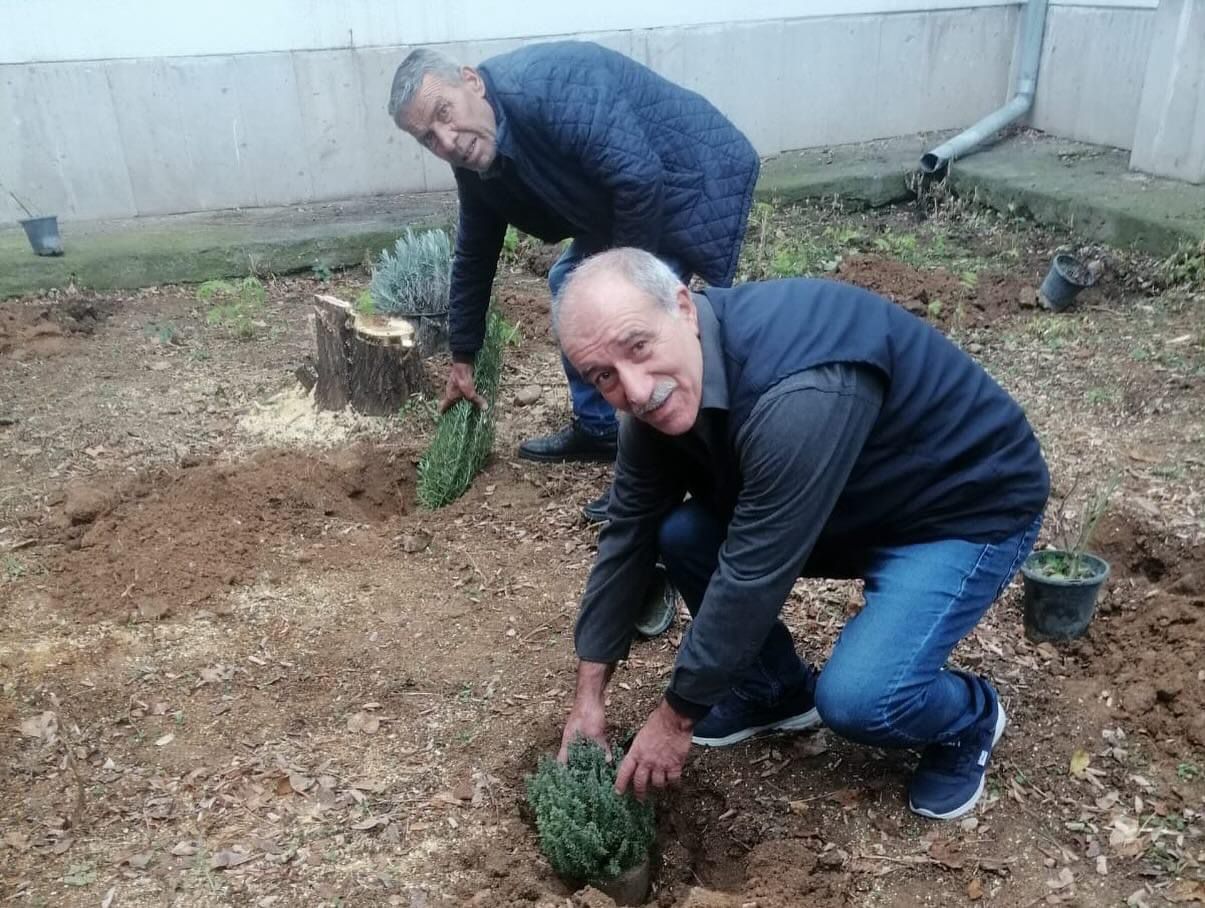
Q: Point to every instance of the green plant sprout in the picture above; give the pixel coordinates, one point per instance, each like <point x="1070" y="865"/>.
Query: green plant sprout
<point x="1066" y="563"/>
<point x="464" y="435"/>
<point x="235" y="306"/>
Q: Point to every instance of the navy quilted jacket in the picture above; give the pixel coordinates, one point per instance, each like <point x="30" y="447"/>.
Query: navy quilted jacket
<point x="602" y="147"/>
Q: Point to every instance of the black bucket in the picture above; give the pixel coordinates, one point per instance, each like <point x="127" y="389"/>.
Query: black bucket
<point x="43" y="235"/>
<point x="1066" y="278"/>
<point x="660" y="605"/>
<point x="1056" y="608"/>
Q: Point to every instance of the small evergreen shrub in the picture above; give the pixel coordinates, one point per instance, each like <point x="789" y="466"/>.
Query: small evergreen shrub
<point x="586" y="830"/>
<point x="465" y="435"/>
<point x="413" y="281"/>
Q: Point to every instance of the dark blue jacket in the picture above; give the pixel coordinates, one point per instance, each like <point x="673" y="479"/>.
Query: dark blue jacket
<point x="951" y="455"/>
<point x="592" y="143"/>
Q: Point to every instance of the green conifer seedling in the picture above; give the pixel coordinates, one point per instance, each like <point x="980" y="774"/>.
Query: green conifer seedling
<point x="587" y="831"/>
<point x="465" y="435"/>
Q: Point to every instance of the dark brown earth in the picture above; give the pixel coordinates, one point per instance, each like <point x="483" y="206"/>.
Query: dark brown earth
<point x="272" y="680"/>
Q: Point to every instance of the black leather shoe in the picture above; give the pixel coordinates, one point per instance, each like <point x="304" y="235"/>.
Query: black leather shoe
<point x="596" y="511"/>
<point x="572" y="443"/>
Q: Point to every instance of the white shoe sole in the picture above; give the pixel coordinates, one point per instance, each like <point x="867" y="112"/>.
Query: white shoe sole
<point x="802" y="722"/>
<point x="1001" y="722"/>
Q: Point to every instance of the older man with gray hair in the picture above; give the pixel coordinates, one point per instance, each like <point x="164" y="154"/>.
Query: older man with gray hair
<point x="785" y="429"/>
<point x="570" y="140"/>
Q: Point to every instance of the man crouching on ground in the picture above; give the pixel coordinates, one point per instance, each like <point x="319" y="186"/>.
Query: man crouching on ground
<point x="819" y="430"/>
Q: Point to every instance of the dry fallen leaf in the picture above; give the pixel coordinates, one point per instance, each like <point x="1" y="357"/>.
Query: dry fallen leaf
<point x="975" y="889"/>
<point x="1062" y="881"/>
<point x="300" y="783"/>
<point x="1079" y="763"/>
<point x="107" y="901"/>
<point x="230" y="858"/>
<point x="363" y="722"/>
<point x="16" y="840"/>
<point x="184" y="849"/>
<point x="1187" y="891"/>
<point x="847" y="797"/>
<point x="166" y="739"/>
<point x="371" y="823"/>
<point x="44" y="726"/>
<point x="945" y="852"/>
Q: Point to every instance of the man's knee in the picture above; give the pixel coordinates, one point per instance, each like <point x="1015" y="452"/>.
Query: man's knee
<point x="844" y="703"/>
<point x="865" y="709"/>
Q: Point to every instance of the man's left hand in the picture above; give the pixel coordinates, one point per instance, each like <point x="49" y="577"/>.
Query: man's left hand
<point x="657" y="754"/>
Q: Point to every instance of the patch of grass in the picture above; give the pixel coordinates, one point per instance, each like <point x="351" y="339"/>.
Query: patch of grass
<point x="235" y="306"/>
<point x="1186" y="267"/>
<point x="1097" y="396"/>
<point x="1186" y="772"/>
<point x="322" y="271"/>
<point x="163" y="332"/>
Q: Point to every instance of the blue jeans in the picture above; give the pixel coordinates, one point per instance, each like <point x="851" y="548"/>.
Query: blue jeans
<point x="886" y="683"/>
<point x="593" y="413"/>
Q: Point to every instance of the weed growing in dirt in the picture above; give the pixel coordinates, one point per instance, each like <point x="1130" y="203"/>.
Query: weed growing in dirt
<point x="14" y="568"/>
<point x="322" y="271"/>
<point x="586" y="830"/>
<point x="1186" y="267"/>
<point x="364" y="304"/>
<point x="1186" y="772"/>
<point x="235" y="306"/>
<point x="464" y="435"/>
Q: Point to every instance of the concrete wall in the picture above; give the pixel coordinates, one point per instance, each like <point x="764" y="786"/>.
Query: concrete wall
<point x="1170" y="139"/>
<point x="176" y="113"/>
<point x="1094" y="60"/>
<point x="142" y="107"/>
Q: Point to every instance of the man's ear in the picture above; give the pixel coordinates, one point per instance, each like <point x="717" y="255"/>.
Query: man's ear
<point x="473" y="80"/>
<point x="684" y="308"/>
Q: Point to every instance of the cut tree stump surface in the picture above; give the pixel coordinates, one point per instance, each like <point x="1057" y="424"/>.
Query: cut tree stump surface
<point x="371" y="363"/>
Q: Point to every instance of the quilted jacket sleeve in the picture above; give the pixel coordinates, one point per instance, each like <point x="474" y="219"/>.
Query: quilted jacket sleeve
<point x="479" y="239"/>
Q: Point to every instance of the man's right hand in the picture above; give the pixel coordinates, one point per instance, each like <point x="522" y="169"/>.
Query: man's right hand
<point x="588" y="718"/>
<point x="461" y="387"/>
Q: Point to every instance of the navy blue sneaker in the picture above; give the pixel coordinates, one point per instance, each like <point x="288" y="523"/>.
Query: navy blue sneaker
<point x="949" y="779"/>
<point x="735" y="719"/>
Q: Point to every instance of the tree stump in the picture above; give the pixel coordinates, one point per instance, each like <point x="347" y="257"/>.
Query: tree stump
<point x="371" y="362"/>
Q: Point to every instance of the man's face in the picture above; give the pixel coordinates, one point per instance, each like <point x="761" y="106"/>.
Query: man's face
<point x="643" y="359"/>
<point x="454" y="122"/>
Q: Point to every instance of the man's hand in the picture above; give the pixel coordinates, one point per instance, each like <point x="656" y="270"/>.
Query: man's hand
<point x="588" y="718"/>
<point x="658" y="754"/>
<point x="460" y="386"/>
<point x="589" y="714"/>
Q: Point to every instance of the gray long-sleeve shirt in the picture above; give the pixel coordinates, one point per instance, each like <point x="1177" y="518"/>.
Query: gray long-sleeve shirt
<point x="776" y="483"/>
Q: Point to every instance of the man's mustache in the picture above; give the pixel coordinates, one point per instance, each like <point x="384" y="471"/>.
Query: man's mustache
<point x="660" y="395"/>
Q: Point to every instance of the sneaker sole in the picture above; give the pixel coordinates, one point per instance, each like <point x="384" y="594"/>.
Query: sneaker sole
<point x="1001" y="722"/>
<point x="802" y="722"/>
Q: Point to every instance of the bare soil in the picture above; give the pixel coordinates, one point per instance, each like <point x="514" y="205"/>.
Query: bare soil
<point x="241" y="667"/>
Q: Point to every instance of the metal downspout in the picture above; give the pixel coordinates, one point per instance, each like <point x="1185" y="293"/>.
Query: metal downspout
<point x="934" y="164"/>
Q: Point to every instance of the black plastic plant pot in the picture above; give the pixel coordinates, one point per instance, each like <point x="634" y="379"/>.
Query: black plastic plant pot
<point x="1066" y="278"/>
<point x="43" y="234"/>
<point x="660" y="605"/>
<point x="629" y="888"/>
<point x="1060" y="608"/>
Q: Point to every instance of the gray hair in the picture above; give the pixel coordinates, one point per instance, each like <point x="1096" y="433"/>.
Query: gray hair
<point x="641" y="269"/>
<point x="419" y="64"/>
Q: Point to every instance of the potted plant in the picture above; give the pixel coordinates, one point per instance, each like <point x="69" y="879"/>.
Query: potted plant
<point x="590" y="834"/>
<point x="1062" y="584"/>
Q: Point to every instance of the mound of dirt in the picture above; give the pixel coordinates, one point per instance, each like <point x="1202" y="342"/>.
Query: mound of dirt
<point x="1149" y="647"/>
<point x="30" y="332"/>
<point x="937" y="294"/>
<point x="173" y="538"/>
